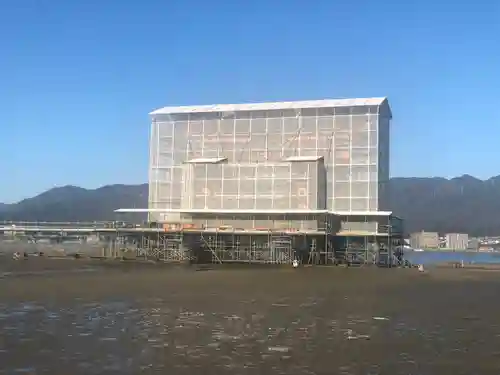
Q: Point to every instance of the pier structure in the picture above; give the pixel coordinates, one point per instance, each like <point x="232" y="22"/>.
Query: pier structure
<point x="110" y="239"/>
<point x="317" y="237"/>
<point x="333" y="240"/>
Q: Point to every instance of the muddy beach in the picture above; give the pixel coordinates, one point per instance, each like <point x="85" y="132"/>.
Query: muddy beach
<point x="96" y="317"/>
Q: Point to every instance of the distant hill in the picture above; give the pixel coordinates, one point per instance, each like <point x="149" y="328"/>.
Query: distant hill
<point x="462" y="204"/>
<point x="72" y="203"/>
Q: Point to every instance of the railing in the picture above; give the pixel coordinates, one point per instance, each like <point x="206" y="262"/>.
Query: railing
<point x="61" y="224"/>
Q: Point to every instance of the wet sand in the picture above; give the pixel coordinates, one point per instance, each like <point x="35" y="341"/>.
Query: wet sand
<point x="139" y="318"/>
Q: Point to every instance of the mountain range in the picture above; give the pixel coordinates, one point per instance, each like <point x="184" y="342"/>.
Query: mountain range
<point x="463" y="204"/>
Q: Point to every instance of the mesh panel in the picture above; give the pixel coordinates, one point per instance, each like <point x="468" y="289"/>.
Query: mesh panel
<point x="255" y="186"/>
<point x="349" y="139"/>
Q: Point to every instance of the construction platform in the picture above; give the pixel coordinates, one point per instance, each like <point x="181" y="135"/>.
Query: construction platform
<point x="337" y="241"/>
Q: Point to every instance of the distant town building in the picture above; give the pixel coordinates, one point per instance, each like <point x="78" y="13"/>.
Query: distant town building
<point x="424" y="240"/>
<point x="474" y="244"/>
<point x="457" y="241"/>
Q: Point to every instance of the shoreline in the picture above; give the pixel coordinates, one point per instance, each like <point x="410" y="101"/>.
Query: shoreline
<point x="276" y="319"/>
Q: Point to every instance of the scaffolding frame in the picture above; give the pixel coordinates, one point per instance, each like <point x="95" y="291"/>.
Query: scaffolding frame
<point x="326" y="245"/>
<point x="223" y="246"/>
<point x="381" y="247"/>
<point x="351" y="135"/>
<point x="272" y="247"/>
<point x="166" y="247"/>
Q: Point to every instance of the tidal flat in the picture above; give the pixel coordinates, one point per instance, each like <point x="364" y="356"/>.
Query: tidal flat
<point x="101" y="317"/>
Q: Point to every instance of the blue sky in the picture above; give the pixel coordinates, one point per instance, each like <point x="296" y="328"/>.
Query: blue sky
<point x="77" y="78"/>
